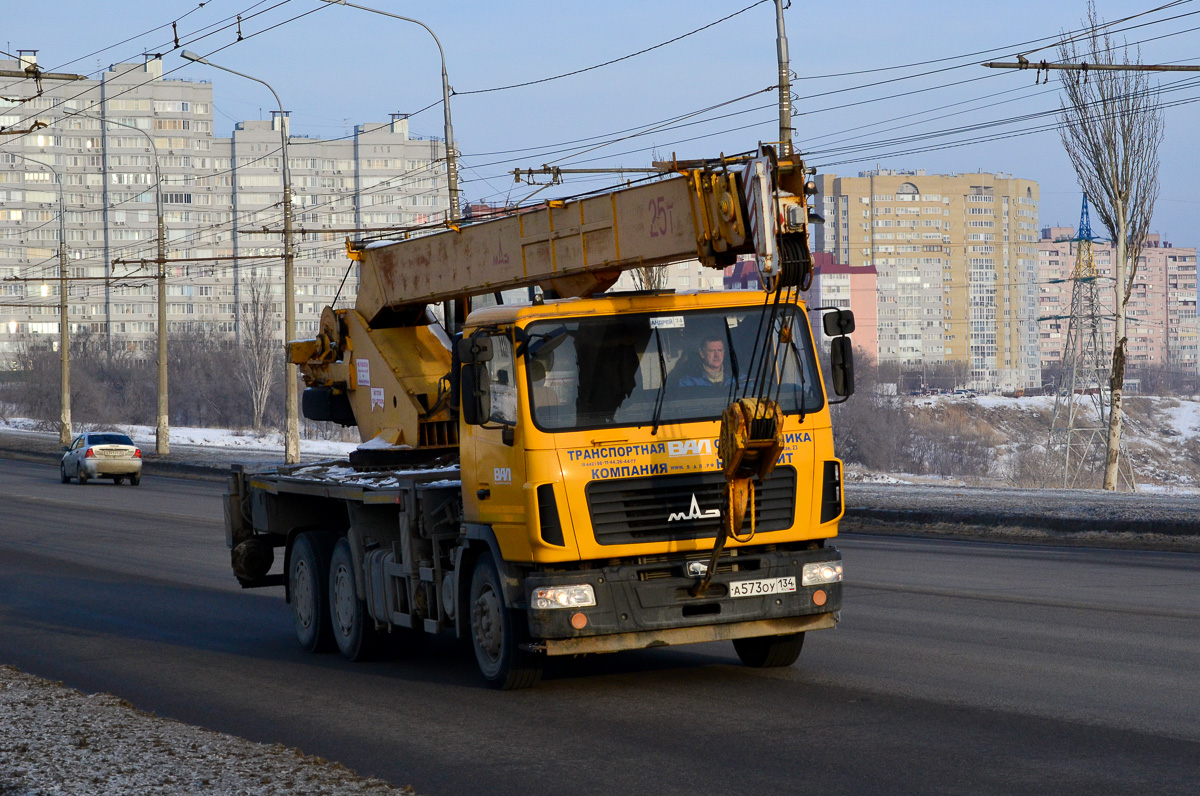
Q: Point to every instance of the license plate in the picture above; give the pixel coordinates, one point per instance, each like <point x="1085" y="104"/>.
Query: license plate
<point x="753" y="588"/>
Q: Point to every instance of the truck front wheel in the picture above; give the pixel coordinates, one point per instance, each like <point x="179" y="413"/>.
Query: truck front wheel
<point x="769" y="651"/>
<point x="353" y="629"/>
<point x="497" y="633"/>
<point x="308" y="589"/>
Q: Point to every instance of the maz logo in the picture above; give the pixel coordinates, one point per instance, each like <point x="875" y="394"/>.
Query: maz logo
<point x="694" y="513"/>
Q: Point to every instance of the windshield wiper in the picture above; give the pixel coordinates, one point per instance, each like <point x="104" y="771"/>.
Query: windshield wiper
<point x="733" y="364"/>
<point x="662" y="384"/>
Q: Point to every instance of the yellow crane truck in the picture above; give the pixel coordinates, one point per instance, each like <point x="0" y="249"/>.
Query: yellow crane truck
<point x="580" y="472"/>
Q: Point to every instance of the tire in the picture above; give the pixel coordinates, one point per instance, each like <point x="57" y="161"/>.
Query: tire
<point x="308" y="591"/>
<point x="118" y="479"/>
<point x="66" y="479"/>
<point x="767" y="652"/>
<point x="497" y="633"/>
<point x="353" y="628"/>
<point x="135" y="479"/>
<point x="81" y="475"/>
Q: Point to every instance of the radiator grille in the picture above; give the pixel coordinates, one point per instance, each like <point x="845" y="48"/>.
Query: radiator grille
<point x="638" y="510"/>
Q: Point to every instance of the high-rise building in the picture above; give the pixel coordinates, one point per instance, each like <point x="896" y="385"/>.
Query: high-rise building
<point x="1161" y="324"/>
<point x="219" y="195"/>
<point x="956" y="262"/>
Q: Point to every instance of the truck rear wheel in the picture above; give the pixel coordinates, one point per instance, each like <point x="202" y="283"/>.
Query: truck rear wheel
<point x="308" y="589"/>
<point x="353" y="628"/>
<point x="767" y="652"/>
<point x="497" y="633"/>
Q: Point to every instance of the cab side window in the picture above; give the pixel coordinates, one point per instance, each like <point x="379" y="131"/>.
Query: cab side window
<point x="504" y="380"/>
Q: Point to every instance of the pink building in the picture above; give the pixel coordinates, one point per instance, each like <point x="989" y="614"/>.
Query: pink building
<point x="1162" y="326"/>
<point x="833" y="285"/>
<point x="848" y="287"/>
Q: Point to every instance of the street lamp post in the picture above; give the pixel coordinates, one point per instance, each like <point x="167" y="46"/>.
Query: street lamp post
<point x="64" y="334"/>
<point x="785" y="84"/>
<point x="291" y="437"/>
<point x="162" y="433"/>
<point x="451" y="156"/>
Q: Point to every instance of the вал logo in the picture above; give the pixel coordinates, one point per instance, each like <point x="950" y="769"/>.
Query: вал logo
<point x="689" y="447"/>
<point x="694" y="512"/>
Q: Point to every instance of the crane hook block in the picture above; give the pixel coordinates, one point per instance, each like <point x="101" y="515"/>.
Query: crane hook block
<point x="750" y="444"/>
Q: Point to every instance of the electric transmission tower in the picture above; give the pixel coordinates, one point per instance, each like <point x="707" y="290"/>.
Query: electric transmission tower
<point x="1079" y="422"/>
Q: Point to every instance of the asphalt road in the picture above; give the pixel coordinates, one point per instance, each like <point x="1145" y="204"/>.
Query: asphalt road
<point x="959" y="667"/>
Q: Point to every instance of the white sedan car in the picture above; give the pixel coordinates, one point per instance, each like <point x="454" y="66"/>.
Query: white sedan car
<point x="102" y="455"/>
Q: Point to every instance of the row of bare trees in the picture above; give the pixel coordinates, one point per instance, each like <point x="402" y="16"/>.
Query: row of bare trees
<point x="216" y="380"/>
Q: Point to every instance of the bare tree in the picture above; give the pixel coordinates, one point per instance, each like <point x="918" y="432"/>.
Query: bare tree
<point x="1111" y="125"/>
<point x="645" y="278"/>
<point x="258" y="358"/>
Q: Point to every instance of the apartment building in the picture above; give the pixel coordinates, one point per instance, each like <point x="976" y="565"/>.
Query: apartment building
<point x="219" y="195"/>
<point x="1162" y="328"/>
<point x="956" y="262"/>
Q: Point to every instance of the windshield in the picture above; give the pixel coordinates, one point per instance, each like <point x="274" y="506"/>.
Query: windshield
<point x="609" y="371"/>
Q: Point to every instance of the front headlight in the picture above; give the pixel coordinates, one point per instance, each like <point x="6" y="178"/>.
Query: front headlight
<point x="821" y="572"/>
<point x="563" y="597"/>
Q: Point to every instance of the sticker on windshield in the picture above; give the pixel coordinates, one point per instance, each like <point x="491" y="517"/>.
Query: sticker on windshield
<point x="667" y="322"/>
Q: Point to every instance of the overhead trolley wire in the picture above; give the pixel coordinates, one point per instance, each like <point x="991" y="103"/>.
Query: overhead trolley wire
<point x="1009" y="48"/>
<point x="148" y="32"/>
<point x="614" y="60"/>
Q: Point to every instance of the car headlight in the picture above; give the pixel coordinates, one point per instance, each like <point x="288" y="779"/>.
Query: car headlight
<point x="821" y="572"/>
<point x="563" y="596"/>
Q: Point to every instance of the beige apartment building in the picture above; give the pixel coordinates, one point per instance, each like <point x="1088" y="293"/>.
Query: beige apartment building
<point x="219" y="193"/>
<point x="1161" y="326"/>
<point x="956" y="262"/>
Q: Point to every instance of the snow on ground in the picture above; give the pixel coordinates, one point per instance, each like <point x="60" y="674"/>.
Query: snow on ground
<point x="1185" y="418"/>
<point x="56" y="740"/>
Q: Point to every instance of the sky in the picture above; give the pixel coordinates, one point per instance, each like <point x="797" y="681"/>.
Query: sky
<point x="696" y="95"/>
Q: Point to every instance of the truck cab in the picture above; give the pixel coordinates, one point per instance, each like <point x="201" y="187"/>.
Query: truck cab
<point x="594" y="439"/>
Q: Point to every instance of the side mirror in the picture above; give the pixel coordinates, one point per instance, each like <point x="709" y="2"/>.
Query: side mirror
<point x="838" y="323"/>
<point x="476" y="348"/>
<point x="841" y="363"/>
<point x="474" y="383"/>
<point x="66" y="448"/>
<point x="476" y="390"/>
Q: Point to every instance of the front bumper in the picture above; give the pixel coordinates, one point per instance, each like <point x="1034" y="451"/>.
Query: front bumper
<point x="649" y="603"/>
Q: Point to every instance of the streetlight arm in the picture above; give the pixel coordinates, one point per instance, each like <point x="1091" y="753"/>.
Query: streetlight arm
<point x="397" y="16"/>
<point x="451" y="159"/>
<point x="188" y="55"/>
<point x="153" y="151"/>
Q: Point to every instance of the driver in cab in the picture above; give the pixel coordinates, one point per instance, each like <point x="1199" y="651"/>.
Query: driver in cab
<point x="709" y="369"/>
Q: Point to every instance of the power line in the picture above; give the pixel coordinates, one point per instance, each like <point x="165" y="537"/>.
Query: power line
<point x="614" y="60"/>
<point x="1007" y="48"/>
